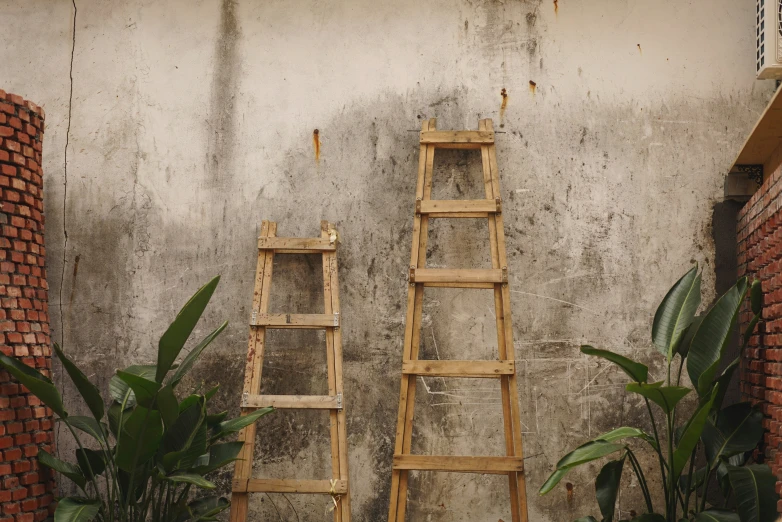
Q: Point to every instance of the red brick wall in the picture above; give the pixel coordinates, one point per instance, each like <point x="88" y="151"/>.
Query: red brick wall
<point x="760" y="256"/>
<point x="25" y="425"/>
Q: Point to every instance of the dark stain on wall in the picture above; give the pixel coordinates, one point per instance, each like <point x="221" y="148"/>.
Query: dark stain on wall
<point x="222" y="102"/>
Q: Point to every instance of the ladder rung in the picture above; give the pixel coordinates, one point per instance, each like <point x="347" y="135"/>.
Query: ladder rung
<point x="295" y="320"/>
<point x="459" y="464"/>
<point x="340" y="487"/>
<point x="466" y="369"/>
<point x="296" y="245"/>
<point x="457" y="139"/>
<point x="456" y="208"/>
<point x="294" y="402"/>
<point x="455" y="277"/>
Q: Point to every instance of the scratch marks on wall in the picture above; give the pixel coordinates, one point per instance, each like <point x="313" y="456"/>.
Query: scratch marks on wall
<point x="222" y="103"/>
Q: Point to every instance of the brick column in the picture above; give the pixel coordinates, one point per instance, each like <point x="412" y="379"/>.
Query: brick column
<point x="25" y="425"/>
<point x="760" y="256"/>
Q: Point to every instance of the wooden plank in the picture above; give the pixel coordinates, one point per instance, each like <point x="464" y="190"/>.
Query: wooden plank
<point x="415" y="293"/>
<point x="488" y="286"/>
<point x="296" y="320"/>
<point x="337" y="419"/>
<point x="294" y="402"/>
<point x="340" y="487"/>
<point x="459" y="464"/>
<point x="253" y="370"/>
<point x="454" y="207"/>
<point x="457" y="139"/>
<point x="297" y="245"/>
<point x="450" y="275"/>
<point x="464" y="369"/>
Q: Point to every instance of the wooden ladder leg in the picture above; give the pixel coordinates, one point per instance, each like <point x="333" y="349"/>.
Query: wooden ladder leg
<point x="511" y="406"/>
<point x="340" y="386"/>
<point x="253" y="368"/>
<point x="339" y="461"/>
<point x="404" y="432"/>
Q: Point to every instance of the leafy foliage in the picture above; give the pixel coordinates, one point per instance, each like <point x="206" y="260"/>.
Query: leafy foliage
<point x="720" y="437"/>
<point x="148" y="450"/>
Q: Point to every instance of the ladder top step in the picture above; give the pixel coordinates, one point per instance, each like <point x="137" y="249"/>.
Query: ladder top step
<point x="457" y="276"/>
<point x="455" y="207"/>
<point x="325" y="487"/>
<point x="296" y="245"/>
<point x="464" y="369"/>
<point x="458" y="464"/>
<point x="457" y="139"/>
<point x="294" y="402"/>
<point x="295" y="320"/>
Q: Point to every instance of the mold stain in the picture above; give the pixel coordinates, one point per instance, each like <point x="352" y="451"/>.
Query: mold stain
<point x="556" y="7"/>
<point x="316" y="144"/>
<point x="503" y="106"/>
<point x="533" y="87"/>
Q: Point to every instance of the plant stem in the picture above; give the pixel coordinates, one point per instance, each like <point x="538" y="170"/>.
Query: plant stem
<point x="89" y="466"/>
<point x="689" y="481"/>
<point x="641" y="480"/>
<point x="659" y="451"/>
<point x="671" y="475"/>
<point x="705" y="486"/>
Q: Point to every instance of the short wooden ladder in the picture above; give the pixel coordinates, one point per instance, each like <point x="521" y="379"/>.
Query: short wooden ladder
<point x="244" y="484"/>
<point x="496" y="278"/>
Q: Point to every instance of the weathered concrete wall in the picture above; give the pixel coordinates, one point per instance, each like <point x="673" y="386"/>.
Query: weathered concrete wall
<point x="192" y="120"/>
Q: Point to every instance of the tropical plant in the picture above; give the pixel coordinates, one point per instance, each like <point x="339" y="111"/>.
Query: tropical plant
<point x="712" y="449"/>
<point x="148" y="449"/>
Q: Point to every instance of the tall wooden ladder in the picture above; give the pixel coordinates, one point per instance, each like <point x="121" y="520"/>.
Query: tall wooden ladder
<point x="244" y="484"/>
<point x="495" y="278"/>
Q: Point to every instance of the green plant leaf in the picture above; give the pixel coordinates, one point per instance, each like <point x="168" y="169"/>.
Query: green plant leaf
<point x="184" y="428"/>
<point x="683" y="349"/>
<point x="228" y="427"/>
<point x="666" y="397"/>
<point x="194" y="354"/>
<point x="190" y="478"/>
<point x="690" y="436"/>
<point x="145" y="390"/>
<point x="638" y="372"/>
<point x="140" y="438"/>
<point x="119" y="389"/>
<point x="211" y="393"/>
<point x="174" y="338"/>
<point x="63" y="468"/>
<point x="717" y="515"/>
<point x="76" y="509"/>
<point x="219" y="456"/>
<point x="723" y="383"/>
<point x="204" y="509"/>
<point x="215" y="419"/>
<point x="708" y="344"/>
<point x="676" y="312"/>
<point x="756" y="297"/>
<point x="607" y="487"/>
<point x="588" y="452"/>
<point x="626" y="432"/>
<point x="189" y="456"/>
<point x="88" y="391"/>
<point x="34" y="381"/>
<point x="754" y="489"/>
<point x="738" y="428"/>
<point x="89" y="426"/>
<point x="553" y="480"/>
<point x="95" y="459"/>
<point x="168" y="405"/>
<point x="114" y="418"/>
